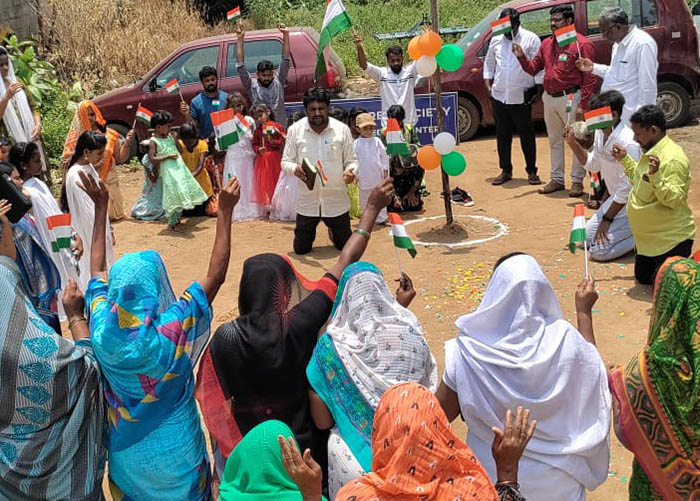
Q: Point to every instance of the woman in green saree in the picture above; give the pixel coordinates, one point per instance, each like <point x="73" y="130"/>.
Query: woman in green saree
<point x="657" y="394"/>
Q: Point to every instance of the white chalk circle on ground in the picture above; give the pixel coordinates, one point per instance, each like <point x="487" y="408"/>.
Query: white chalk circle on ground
<point x="500" y="229"/>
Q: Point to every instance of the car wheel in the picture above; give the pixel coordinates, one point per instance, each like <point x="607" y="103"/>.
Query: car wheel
<point x="674" y="101"/>
<point x="123" y="130"/>
<point x="468" y="118"/>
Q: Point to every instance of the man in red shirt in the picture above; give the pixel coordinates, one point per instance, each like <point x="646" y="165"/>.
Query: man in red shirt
<point x="561" y="78"/>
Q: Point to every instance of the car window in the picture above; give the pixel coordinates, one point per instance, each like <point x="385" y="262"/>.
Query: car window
<point x="641" y="12"/>
<point x="185" y="67"/>
<point x="255" y="51"/>
<point x="475" y="33"/>
<point x="537" y="21"/>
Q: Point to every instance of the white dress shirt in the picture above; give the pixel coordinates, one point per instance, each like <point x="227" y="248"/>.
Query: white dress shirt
<point x="600" y="159"/>
<point x="396" y="89"/>
<point x="632" y="71"/>
<point x="334" y="148"/>
<point x="509" y="79"/>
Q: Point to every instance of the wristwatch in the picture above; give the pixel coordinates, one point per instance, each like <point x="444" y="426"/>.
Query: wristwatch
<point x="606" y="218"/>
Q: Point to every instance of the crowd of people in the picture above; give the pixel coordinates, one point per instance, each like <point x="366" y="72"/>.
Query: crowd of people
<point x="327" y="388"/>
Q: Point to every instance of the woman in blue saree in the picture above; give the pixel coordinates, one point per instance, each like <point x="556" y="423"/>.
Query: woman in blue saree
<point x="147" y="343"/>
<point x="372" y="343"/>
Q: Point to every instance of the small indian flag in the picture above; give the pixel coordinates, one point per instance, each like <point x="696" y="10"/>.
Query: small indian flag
<point x="172" y="86"/>
<point x="600" y="118"/>
<point x="578" y="228"/>
<point x="401" y="238"/>
<point x="501" y="26"/>
<point x="144" y="115"/>
<point x="595" y="181"/>
<point x="269" y="129"/>
<point x="565" y="35"/>
<point x="395" y="143"/>
<point x="335" y="21"/>
<point x="61" y="231"/>
<point x="241" y="123"/>
<point x="233" y="14"/>
<point x="225" y="128"/>
<point x="321" y="173"/>
<point x="569" y="103"/>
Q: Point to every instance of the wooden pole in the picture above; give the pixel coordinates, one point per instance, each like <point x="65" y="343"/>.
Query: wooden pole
<point x="446" y="192"/>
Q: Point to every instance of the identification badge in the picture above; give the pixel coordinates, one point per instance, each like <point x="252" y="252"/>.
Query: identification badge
<point x="563" y="57"/>
<point x="216" y="103"/>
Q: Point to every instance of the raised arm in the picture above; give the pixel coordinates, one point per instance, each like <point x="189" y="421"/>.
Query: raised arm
<point x="97" y="191"/>
<point x="240" y="54"/>
<point x="221" y="253"/>
<point x="356" y="245"/>
<point x="361" y="56"/>
<point x="125" y="147"/>
<point x="7" y="242"/>
<point x="285" y="41"/>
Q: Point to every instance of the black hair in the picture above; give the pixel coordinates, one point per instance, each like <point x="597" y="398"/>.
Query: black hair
<point x="505" y="257"/>
<point x="649" y="116"/>
<point x="566" y="10"/>
<point x="5" y="141"/>
<point x="237" y="95"/>
<point x="295" y="117"/>
<point x="21" y="153"/>
<point x="513" y="14"/>
<point x="3" y="51"/>
<point x="6" y="168"/>
<point x="338" y="113"/>
<point x="188" y="131"/>
<point x="396" y="111"/>
<point x="89" y="140"/>
<point x="395" y="50"/>
<point x="265" y="65"/>
<point x="207" y="71"/>
<point x="354" y="111"/>
<point x="262" y="108"/>
<point x="316" y="94"/>
<point x="161" y="117"/>
<point x="612" y="98"/>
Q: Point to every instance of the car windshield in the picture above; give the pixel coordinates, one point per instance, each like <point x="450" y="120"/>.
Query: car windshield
<point x="474" y="33"/>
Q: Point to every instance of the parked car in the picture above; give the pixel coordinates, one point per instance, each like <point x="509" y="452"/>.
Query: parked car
<point x="119" y="106"/>
<point x="669" y="22"/>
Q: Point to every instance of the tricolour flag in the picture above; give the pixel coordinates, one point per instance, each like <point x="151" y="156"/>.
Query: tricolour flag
<point x="61" y="231"/>
<point x="595" y="181"/>
<point x="233" y="14"/>
<point x="600" y="118"/>
<point x="501" y="26"/>
<point x="401" y="238"/>
<point x="565" y="35"/>
<point x="172" y="86"/>
<point x="578" y="228"/>
<point x="321" y="173"/>
<point x="144" y="115"/>
<point x="335" y="22"/>
<point x="569" y="103"/>
<point x="225" y="128"/>
<point x="395" y="143"/>
<point x="241" y="123"/>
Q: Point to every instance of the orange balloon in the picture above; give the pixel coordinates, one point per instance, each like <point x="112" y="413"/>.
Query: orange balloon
<point x="429" y="44"/>
<point x="413" y="49"/>
<point x="429" y="158"/>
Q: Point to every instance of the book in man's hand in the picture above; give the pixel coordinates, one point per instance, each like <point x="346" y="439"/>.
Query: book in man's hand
<point x="311" y="171"/>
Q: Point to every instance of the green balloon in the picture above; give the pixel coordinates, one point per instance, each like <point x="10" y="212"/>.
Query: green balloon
<point x="450" y="57"/>
<point x="454" y="163"/>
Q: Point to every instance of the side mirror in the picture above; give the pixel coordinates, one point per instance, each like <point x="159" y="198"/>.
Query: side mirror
<point x="152" y="85"/>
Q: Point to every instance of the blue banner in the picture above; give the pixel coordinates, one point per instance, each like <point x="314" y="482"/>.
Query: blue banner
<point x="425" y="109"/>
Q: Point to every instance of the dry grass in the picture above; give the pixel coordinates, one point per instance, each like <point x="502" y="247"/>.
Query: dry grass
<point x="104" y="44"/>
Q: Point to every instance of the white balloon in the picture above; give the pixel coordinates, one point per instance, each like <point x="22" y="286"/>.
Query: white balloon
<point x="444" y="143"/>
<point x="426" y="66"/>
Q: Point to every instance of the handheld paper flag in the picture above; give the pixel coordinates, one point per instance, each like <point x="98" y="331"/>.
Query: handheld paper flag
<point x="395" y="143"/>
<point x="565" y="35"/>
<point x="225" y="128"/>
<point x="172" y="86"/>
<point x="578" y="228"/>
<point x="335" y="21"/>
<point x="61" y="231"/>
<point x="401" y="238"/>
<point x="233" y="14"/>
<point x="144" y="115"/>
<point x="600" y="118"/>
<point x="501" y="26"/>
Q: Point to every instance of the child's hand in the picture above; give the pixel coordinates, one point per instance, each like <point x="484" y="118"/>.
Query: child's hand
<point x="229" y="196"/>
<point x="262" y="150"/>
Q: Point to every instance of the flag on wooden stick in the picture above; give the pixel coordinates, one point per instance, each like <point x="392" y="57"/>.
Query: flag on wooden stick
<point x="172" y="86"/>
<point x="578" y="228"/>
<point x="501" y="26"/>
<point x="225" y="128"/>
<point x="61" y="231"/>
<point x="144" y="115"/>
<point x="233" y="14"/>
<point x="595" y="181"/>
<point x="600" y="118"/>
<point x="395" y="143"/>
<point x="401" y="238"/>
<point x="565" y="35"/>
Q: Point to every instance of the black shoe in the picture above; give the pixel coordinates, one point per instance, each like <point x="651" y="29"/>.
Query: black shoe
<point x="505" y="176"/>
<point x="534" y="179"/>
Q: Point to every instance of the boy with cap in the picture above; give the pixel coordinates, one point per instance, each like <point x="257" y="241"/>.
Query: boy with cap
<point x="372" y="159"/>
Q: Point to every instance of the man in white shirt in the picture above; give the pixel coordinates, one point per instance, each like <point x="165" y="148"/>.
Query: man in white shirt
<point x="508" y="84"/>
<point x="633" y="63"/>
<point x="321" y="138"/>
<point x="608" y="232"/>
<point x="396" y="82"/>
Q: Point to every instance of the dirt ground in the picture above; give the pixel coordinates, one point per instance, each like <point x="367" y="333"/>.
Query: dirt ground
<point x="450" y="282"/>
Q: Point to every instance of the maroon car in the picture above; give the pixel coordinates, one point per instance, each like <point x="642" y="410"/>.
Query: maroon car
<point x="119" y="105"/>
<point x="668" y="21"/>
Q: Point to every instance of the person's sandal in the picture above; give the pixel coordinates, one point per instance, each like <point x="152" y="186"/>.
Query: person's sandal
<point x="502" y="178"/>
<point x="550" y="187"/>
<point x="576" y="190"/>
<point x="534" y="179"/>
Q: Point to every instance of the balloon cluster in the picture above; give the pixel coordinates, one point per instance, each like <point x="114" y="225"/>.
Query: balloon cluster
<point x="442" y="152"/>
<point x="428" y="52"/>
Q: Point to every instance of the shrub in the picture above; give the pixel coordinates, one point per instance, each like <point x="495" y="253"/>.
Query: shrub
<point x="38" y="77"/>
<point x="56" y="116"/>
<point x="110" y="43"/>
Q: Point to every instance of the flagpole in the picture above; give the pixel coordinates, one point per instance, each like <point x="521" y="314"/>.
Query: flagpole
<point x="398" y="260"/>
<point x="180" y="91"/>
<point x="578" y="47"/>
<point x="585" y="255"/>
<point x="133" y="126"/>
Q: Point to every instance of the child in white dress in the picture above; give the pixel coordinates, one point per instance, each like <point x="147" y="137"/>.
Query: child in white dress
<point x="372" y="159"/>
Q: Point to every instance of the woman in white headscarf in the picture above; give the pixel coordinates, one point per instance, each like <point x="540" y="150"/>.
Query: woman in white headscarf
<point x="516" y="349"/>
<point x="22" y="124"/>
